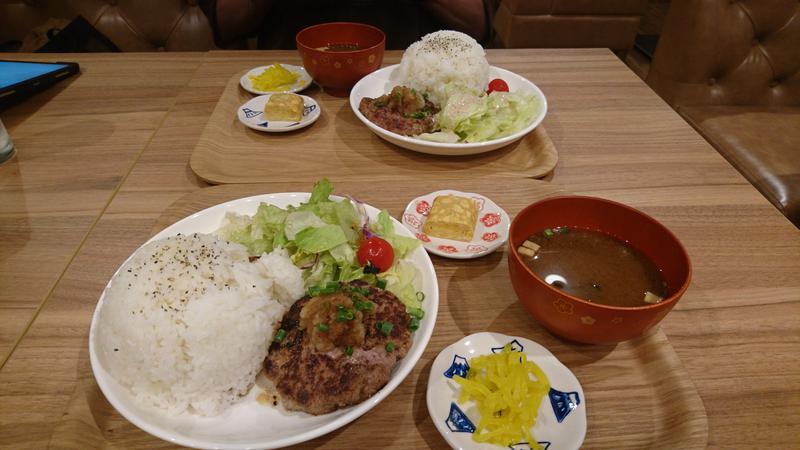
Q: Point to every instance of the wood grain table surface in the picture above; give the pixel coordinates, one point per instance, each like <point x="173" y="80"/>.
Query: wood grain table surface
<point x="76" y="143"/>
<point x="102" y="156"/>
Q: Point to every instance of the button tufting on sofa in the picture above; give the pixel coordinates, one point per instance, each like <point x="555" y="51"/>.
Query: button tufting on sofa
<point x="753" y="118"/>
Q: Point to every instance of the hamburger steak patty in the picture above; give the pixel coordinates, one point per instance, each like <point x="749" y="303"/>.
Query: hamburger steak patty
<point x="320" y="382"/>
<point x="403" y="111"/>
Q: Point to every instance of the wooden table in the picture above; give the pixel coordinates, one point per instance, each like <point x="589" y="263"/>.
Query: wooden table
<point x="102" y="156"/>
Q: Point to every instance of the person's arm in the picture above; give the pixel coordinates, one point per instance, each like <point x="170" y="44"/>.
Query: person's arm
<point x="467" y="16"/>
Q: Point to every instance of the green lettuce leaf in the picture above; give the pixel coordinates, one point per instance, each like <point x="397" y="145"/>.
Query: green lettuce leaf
<point x="297" y="221"/>
<point x="260" y="233"/>
<point x="384" y="228"/>
<point x="322" y="235"/>
<point x="318" y="240"/>
<point x="322" y="272"/>
<point x="401" y="280"/>
<point x="322" y="190"/>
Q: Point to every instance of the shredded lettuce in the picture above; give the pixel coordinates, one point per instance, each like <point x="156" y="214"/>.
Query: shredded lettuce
<point x="401" y="280"/>
<point x="478" y="118"/>
<point x="384" y="228"/>
<point x="260" y="233"/>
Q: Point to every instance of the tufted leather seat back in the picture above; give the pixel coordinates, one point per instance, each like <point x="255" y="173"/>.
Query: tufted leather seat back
<point x="729" y="52"/>
<point x="568" y="23"/>
<point x="133" y="25"/>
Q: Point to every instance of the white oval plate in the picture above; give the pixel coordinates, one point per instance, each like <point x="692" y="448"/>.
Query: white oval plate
<point x="560" y="423"/>
<point x="248" y="424"/>
<point x="303" y="80"/>
<point x="251" y="114"/>
<point x="379" y="82"/>
<point x="491" y="228"/>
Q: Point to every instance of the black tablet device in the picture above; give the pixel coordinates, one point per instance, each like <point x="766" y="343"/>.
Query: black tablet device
<point x="20" y="79"/>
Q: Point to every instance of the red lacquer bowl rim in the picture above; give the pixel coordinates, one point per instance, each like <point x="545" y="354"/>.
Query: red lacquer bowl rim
<point x="380" y="43"/>
<point x="663" y="304"/>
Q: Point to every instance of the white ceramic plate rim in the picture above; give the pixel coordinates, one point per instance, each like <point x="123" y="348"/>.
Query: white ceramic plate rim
<point x="278" y="126"/>
<point x="303" y="81"/>
<point x="495" y="72"/>
<point x="200" y="222"/>
<point x="544" y="358"/>
<point x="432" y="246"/>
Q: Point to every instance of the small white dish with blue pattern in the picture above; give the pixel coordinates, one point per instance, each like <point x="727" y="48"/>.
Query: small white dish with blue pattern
<point x="251" y="114"/>
<point x="561" y="421"/>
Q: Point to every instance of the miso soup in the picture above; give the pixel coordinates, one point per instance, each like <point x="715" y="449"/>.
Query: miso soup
<point x="341" y="47"/>
<point x="594" y="266"/>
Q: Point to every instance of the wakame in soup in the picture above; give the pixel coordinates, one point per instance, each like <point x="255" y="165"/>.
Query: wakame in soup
<point x="594" y="266"/>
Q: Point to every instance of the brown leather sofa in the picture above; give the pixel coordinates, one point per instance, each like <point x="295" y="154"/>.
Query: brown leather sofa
<point x="568" y="23"/>
<point x="142" y="25"/>
<point x="732" y="70"/>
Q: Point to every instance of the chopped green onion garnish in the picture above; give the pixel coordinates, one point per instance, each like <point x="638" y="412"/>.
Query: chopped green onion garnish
<point x="363" y="291"/>
<point x="323" y="327"/>
<point x="420" y="295"/>
<point x="280" y="335"/>
<point x="418" y="115"/>
<point x="348" y="351"/>
<point x="343" y="314"/>
<point x="390" y="346"/>
<point x="363" y="305"/>
<point x="548" y="232"/>
<point x="384" y="327"/>
<point x="313" y="291"/>
<point x="417" y="312"/>
<point x="329" y="288"/>
<point x="563" y="230"/>
<point x="414" y="323"/>
<point x="370" y="268"/>
<point x="381" y="283"/>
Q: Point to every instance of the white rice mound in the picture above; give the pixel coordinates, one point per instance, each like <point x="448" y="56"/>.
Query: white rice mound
<point x="186" y="323"/>
<point x="440" y="58"/>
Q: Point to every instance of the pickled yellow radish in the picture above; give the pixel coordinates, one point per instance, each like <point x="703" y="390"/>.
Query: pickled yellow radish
<point x="274" y="78"/>
<point x="507" y="390"/>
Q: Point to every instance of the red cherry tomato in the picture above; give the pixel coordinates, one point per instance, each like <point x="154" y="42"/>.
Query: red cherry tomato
<point x="497" y="85"/>
<point x="376" y="251"/>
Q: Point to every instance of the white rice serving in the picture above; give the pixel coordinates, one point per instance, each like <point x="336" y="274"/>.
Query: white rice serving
<point x="443" y="57"/>
<point x="186" y="323"/>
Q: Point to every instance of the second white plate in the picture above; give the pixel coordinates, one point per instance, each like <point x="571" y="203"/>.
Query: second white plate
<point x="380" y="82"/>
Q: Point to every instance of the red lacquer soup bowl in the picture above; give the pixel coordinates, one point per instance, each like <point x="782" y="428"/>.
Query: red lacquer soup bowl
<point x="579" y="320"/>
<point x="338" y="54"/>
